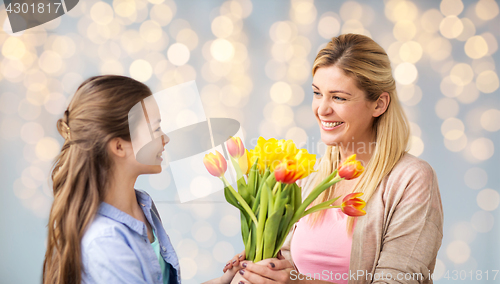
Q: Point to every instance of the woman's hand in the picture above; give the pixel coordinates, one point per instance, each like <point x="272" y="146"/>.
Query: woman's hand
<point x="235" y="261"/>
<point x="270" y="270"/>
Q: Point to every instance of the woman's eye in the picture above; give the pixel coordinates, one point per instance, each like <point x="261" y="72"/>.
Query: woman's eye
<point x="338" y="98"/>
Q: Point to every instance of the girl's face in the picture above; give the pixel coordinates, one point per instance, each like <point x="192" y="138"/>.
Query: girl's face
<point x="344" y="115"/>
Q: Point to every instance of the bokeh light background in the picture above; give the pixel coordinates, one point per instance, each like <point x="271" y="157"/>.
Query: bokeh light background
<point x="252" y="62"/>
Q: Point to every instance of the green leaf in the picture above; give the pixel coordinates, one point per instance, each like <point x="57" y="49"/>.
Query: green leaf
<point x="271" y="232"/>
<point x="285" y="221"/>
<point x="323" y="205"/>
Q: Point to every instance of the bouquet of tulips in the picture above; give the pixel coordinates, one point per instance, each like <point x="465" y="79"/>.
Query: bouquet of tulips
<point x="268" y="197"/>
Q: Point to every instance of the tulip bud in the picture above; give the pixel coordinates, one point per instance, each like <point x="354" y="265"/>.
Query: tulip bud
<point x="215" y="164"/>
<point x="235" y="147"/>
<point x="350" y="168"/>
<point x="353" y="206"/>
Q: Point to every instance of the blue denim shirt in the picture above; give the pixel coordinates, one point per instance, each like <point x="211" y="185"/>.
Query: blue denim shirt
<point x="116" y="248"/>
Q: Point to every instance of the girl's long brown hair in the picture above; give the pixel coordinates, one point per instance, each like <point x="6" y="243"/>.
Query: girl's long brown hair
<point x="97" y="113"/>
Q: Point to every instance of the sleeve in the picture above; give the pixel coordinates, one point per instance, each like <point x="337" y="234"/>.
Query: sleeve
<point x="414" y="232"/>
<point x="107" y="260"/>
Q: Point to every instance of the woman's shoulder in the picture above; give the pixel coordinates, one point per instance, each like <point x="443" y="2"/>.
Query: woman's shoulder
<point x="410" y="166"/>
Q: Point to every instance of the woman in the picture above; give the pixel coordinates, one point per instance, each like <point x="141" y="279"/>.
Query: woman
<point x="358" y="112"/>
<point x="101" y="229"/>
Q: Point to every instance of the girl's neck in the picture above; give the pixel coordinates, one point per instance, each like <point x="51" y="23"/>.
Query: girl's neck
<point x="121" y="194"/>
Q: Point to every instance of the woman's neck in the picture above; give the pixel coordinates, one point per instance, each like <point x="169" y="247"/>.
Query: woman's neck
<point x="363" y="150"/>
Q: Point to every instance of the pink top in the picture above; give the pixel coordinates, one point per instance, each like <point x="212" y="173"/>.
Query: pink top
<point x="323" y="251"/>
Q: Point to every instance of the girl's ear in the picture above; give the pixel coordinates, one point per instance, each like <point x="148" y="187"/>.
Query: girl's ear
<point x="381" y="104"/>
<point x="116" y="147"/>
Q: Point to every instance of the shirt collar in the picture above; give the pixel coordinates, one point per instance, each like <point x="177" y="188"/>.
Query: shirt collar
<point x="114" y="213"/>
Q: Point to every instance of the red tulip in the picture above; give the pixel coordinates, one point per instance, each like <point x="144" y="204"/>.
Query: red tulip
<point x="235" y="147"/>
<point x="350" y="168"/>
<point x="215" y="164"/>
<point x="353" y="206"/>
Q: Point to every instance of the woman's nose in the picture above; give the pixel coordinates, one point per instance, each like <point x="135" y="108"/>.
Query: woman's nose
<point x="324" y="108"/>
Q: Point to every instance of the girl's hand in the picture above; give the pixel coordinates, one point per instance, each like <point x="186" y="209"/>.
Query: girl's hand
<point x="234" y="262"/>
<point x="229" y="275"/>
<point x="271" y="270"/>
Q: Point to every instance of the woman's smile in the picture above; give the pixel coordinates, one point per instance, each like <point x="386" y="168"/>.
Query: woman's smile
<point x="330" y="125"/>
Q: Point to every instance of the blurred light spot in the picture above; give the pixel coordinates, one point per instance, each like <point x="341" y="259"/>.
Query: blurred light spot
<point x="28" y="110"/>
<point x="160" y="181"/>
<point x="31" y="132"/>
<point x="281" y="92"/>
<point x="35" y="80"/>
<point x="13" y="48"/>
<point x="219" y="68"/>
<point x="112" y="67"/>
<point x="303" y="12"/>
<point x="438" y="48"/>
<point x="229" y="226"/>
<point x="50" y="62"/>
<point x="491" y="41"/>
<point x="222" y="50"/>
<point x="451" y="27"/>
<point x="446" y="108"/>
<point x="328" y="27"/>
<point x="354" y="26"/>
<point x="463" y="231"/>
<point x="178" y="54"/>
<point x="222" y="27"/>
<point x="202" y="232"/>
<point x="449" y="88"/>
<point x="230" y="96"/>
<point x="188" y="266"/>
<point x="223" y="251"/>
<point x="452" y="128"/>
<point x="439" y="270"/>
<point x="469" y="94"/>
<point x="409" y="94"/>
<point x="456" y="145"/>
<point x="187" y="37"/>
<point x="282" y="51"/>
<point x="55" y="104"/>
<point x="275" y="70"/>
<point x="417" y="146"/>
<point x="405" y="73"/>
<point x="150" y="31"/>
<point x="431" y="20"/>
<point x="282" y="115"/>
<point x="482" y="148"/>
<point x="141" y="70"/>
<point x="98" y="34"/>
<point x="22" y="191"/>
<point x="131" y="41"/>
<point x="482" y="221"/>
<point x="124" y="8"/>
<point x="187" y="248"/>
<point x="282" y="32"/>
<point x="351" y="10"/>
<point x="396" y="10"/>
<point x="476" y="47"/>
<point x="411" y="51"/>
<point x="404" y="30"/>
<point x="488" y="199"/>
<point x="461" y="74"/>
<point x="490" y="120"/>
<point x="415" y="129"/>
<point x="483" y="64"/>
<point x="181" y="222"/>
<point x="487" y="82"/>
<point x="476" y="178"/>
<point x="468" y="31"/>
<point x="486" y="9"/>
<point x="47" y="148"/>
<point x="203" y="211"/>
<point x="297" y="95"/>
<point x="162" y="14"/>
<point x="298" y="135"/>
<point x="458" y="251"/>
<point x="451" y="7"/>
<point x="298" y="70"/>
<point x="101" y="13"/>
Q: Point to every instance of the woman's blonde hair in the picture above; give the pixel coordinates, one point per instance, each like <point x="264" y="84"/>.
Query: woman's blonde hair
<point x="366" y="62"/>
<point x="97" y="113"/>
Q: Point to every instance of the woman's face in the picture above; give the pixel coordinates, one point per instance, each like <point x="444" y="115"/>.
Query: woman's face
<point x="344" y="115"/>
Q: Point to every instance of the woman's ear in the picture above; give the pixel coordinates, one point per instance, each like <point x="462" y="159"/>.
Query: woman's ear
<point x="116" y="147"/>
<point x="381" y="104"/>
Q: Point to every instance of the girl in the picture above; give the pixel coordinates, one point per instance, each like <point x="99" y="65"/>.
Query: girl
<point x="101" y="229"/>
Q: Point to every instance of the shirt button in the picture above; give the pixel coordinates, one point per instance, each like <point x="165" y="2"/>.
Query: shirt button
<point x="163" y="248"/>
<point x="142" y="205"/>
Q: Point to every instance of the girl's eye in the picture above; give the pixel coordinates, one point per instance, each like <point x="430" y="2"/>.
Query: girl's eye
<point x="158" y="129"/>
<point x="317" y="94"/>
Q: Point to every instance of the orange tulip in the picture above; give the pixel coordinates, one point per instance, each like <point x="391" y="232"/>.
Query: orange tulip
<point x="291" y="169"/>
<point x="235" y="147"/>
<point x="215" y="164"/>
<point x="353" y="206"/>
<point x="350" y="168"/>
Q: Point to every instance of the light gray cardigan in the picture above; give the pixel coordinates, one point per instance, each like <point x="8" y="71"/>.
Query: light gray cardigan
<point x="401" y="231"/>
